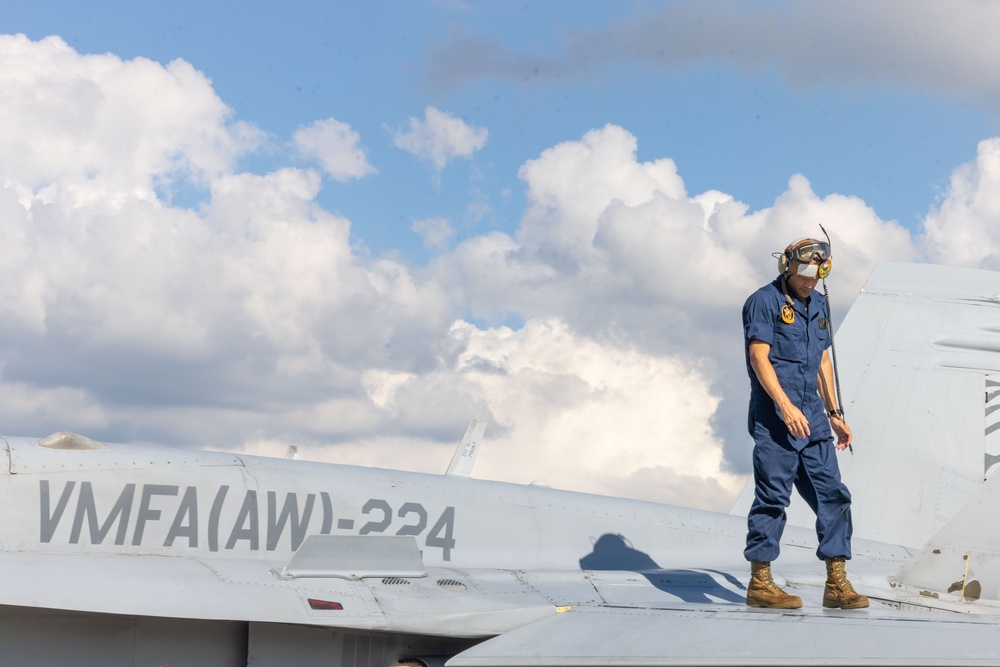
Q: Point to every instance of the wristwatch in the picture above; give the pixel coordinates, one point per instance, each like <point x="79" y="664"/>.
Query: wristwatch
<point x="835" y="413"/>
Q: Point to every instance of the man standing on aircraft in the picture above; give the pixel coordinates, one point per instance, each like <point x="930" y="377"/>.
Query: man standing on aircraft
<point x="793" y="405"/>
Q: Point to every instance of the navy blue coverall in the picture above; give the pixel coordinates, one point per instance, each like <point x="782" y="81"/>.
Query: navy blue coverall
<point x="781" y="460"/>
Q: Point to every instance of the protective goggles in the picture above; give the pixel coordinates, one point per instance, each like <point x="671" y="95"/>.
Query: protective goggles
<point x="813" y="257"/>
<point x="811" y="251"/>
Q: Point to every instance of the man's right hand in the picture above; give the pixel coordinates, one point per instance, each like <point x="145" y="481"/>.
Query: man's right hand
<point x="795" y="421"/>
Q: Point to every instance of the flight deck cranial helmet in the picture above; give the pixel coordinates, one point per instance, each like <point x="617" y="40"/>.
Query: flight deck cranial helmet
<point x="813" y="256"/>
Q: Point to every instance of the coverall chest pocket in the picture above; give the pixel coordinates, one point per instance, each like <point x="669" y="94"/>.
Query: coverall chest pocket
<point x="790" y="340"/>
<point x="821" y="334"/>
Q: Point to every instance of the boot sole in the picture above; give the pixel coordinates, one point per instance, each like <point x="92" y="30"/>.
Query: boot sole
<point x="836" y="605"/>
<point x="787" y="605"/>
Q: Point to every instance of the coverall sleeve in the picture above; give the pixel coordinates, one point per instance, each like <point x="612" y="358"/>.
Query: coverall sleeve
<point x="758" y="319"/>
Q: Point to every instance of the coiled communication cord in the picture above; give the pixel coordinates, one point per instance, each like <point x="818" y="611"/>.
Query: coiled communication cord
<point x="833" y="346"/>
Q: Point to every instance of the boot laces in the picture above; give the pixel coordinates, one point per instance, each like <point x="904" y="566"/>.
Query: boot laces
<point x="767" y="580"/>
<point x="839" y="571"/>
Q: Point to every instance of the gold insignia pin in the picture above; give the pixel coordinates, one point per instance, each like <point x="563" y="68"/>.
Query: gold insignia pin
<point x="787" y="314"/>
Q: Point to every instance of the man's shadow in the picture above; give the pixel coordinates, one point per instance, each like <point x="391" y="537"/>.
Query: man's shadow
<point x="612" y="552"/>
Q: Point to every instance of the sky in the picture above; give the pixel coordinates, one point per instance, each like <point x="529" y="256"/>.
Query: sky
<point x="352" y="227"/>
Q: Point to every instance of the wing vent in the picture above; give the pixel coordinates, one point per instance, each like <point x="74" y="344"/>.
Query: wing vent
<point x="451" y="585"/>
<point x="396" y="581"/>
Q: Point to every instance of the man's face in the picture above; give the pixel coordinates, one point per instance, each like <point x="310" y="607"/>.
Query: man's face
<point x="801" y="285"/>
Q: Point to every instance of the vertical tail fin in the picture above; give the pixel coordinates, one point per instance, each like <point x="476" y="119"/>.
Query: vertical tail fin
<point x="465" y="456"/>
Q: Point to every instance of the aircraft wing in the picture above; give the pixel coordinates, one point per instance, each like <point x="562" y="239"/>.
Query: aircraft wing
<point x="607" y="636"/>
<point x="518" y="612"/>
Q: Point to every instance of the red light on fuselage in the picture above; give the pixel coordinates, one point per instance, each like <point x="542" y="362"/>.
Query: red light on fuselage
<point x="325" y="605"/>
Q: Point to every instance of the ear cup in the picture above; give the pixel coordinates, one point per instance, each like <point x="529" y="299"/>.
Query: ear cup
<point x="782" y="263"/>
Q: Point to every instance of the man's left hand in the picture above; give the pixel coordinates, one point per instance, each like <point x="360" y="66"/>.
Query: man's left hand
<point x="843" y="431"/>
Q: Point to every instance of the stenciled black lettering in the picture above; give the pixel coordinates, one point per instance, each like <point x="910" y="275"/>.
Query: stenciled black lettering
<point x="421" y="522"/>
<point x="188" y="510"/>
<point x="376" y="526"/>
<point x="146" y="513"/>
<point x="327" y="513"/>
<point x="289" y="514"/>
<point x="86" y="507"/>
<point x="50" y="521"/>
<point x="213" y="518"/>
<point x="247" y="524"/>
<point x="445" y="524"/>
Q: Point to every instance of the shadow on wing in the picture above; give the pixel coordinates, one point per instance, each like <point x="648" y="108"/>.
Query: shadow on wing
<point x="613" y="552"/>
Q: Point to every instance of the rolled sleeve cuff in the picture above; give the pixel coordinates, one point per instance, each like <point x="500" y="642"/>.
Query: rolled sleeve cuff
<point x="758" y="323"/>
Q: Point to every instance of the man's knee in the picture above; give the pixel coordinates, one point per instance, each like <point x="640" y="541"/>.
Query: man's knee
<point x="834" y="495"/>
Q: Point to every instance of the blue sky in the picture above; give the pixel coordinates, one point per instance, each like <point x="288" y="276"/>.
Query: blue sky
<point x="741" y="130"/>
<point x="353" y="226"/>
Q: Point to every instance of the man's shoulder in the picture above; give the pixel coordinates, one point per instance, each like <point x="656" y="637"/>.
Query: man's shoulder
<point x="762" y="307"/>
<point x="760" y="312"/>
<point x="768" y="292"/>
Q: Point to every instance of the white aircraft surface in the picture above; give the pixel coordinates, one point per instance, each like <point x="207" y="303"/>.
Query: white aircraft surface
<point x="125" y="555"/>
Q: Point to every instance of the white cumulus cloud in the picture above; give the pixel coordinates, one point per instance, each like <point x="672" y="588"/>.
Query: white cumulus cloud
<point x="963" y="229"/>
<point x="95" y="129"/>
<point x="439" y="137"/>
<point x="617" y="249"/>
<point x="436" y="232"/>
<point x="568" y="411"/>
<point x="337" y="148"/>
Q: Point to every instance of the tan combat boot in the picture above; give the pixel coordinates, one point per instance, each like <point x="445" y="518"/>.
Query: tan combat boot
<point x="763" y="592"/>
<point x="839" y="593"/>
